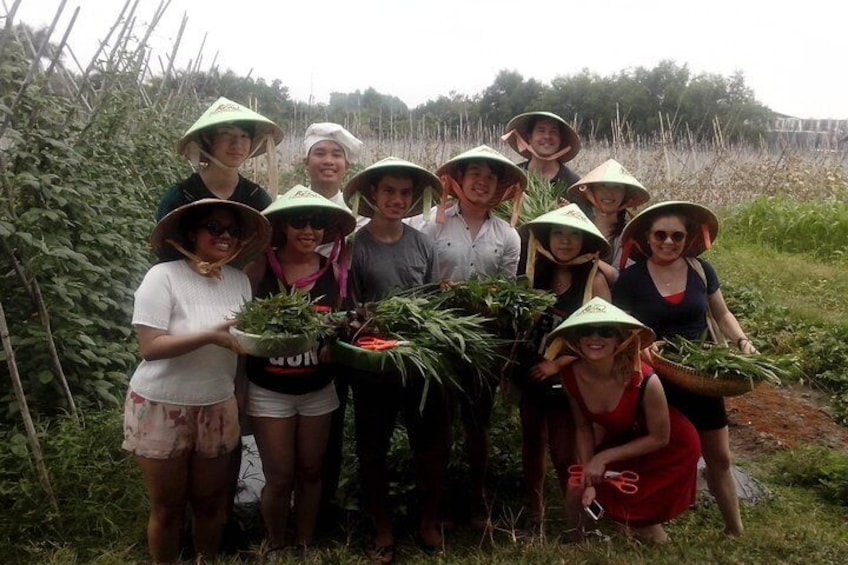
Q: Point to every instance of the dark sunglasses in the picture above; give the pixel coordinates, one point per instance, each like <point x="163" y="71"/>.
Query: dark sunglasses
<point x="602" y="331"/>
<point x="217" y="229"/>
<point x="316" y="222"/>
<point x="661" y="235"/>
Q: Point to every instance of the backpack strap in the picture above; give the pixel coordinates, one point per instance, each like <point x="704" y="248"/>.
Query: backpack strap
<point x="714" y="329"/>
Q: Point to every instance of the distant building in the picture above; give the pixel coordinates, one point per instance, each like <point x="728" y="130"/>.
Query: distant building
<point x="821" y="135"/>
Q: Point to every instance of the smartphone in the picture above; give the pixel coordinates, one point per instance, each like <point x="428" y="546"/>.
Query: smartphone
<point x="594" y="510"/>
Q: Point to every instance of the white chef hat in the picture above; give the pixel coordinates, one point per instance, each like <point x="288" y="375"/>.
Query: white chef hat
<point x="324" y="131"/>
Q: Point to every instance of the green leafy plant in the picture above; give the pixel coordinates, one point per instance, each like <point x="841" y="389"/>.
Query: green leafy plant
<point x="726" y="363"/>
<point x="539" y="198"/>
<point x="512" y="304"/>
<point x="823" y="470"/>
<point x="436" y="338"/>
<point x="282" y="316"/>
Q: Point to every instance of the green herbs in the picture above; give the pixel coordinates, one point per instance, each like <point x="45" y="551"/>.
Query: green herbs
<point x="438" y="339"/>
<point x="281" y="316"/>
<point x="540" y="197"/>
<point x="725" y="363"/>
<point x="511" y="304"/>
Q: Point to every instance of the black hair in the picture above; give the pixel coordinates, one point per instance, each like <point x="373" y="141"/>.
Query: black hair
<point x="207" y="134"/>
<point x="498" y="168"/>
<point x="531" y="123"/>
<point x="397" y="172"/>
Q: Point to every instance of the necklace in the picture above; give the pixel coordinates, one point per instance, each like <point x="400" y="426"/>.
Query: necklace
<point x="666" y="276"/>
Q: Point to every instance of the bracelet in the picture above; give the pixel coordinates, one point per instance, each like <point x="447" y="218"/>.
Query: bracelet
<point x="741" y="340"/>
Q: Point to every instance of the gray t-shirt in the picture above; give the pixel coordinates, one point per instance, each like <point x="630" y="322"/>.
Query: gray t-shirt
<point x="380" y="269"/>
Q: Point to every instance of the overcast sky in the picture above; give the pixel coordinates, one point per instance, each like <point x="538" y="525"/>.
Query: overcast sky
<point x="420" y="49"/>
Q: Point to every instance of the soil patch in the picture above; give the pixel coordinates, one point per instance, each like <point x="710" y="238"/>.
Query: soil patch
<point x="769" y="419"/>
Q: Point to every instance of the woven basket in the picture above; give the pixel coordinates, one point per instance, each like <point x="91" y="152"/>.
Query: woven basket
<point x="691" y="380"/>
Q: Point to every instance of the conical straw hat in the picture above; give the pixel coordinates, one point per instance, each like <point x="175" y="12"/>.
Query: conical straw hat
<point x="573" y="217"/>
<point x="513" y="179"/>
<point x="609" y="172"/>
<point x="426" y="187"/>
<point x="299" y="199"/>
<point x="224" y="111"/>
<point x="256" y="230"/>
<point x="634" y="237"/>
<point x="599" y="312"/>
<point x="521" y="125"/>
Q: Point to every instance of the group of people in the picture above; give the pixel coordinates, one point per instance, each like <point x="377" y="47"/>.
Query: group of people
<point x="588" y="394"/>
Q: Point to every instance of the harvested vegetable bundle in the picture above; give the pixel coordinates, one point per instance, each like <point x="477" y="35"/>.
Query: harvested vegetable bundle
<point x="431" y="338"/>
<point x="702" y="367"/>
<point x="280" y="325"/>
<point x="513" y="305"/>
<point x="539" y="198"/>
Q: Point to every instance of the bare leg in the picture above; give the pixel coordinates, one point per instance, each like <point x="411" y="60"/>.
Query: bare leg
<point x="166" y="481"/>
<point x="312" y="435"/>
<point x="534" y="437"/>
<point x="560" y="425"/>
<point x="275" y="438"/>
<point x="208" y="489"/>
<point x="715" y="447"/>
<point x="653" y="534"/>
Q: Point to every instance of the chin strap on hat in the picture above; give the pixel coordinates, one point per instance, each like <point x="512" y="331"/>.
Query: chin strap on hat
<point x="517" y="199"/>
<point x="337" y="255"/>
<point x="559" y="343"/>
<point x="205" y="268"/>
<point x="452" y="188"/>
<point x="523" y="146"/>
<point x="426" y="200"/>
<point x="534" y="248"/>
<point x="705" y="233"/>
<point x="273" y="175"/>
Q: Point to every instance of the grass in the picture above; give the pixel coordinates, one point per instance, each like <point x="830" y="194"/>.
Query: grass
<point x="810" y="289"/>
<point x="787" y="299"/>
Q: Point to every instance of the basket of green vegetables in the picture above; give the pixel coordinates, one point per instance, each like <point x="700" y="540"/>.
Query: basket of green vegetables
<point x="413" y="336"/>
<point x="279" y="326"/>
<point x="704" y="368"/>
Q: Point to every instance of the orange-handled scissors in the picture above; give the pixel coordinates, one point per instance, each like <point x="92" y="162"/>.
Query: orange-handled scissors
<point x="372" y="343"/>
<point x="624" y="481"/>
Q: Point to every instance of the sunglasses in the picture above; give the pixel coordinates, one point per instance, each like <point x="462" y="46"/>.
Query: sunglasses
<point x="315" y="222"/>
<point x="661" y="235"/>
<point x="217" y="229"/>
<point x="602" y="331"/>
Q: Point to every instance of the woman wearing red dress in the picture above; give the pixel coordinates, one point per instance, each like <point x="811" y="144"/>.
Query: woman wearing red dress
<point x="623" y="423"/>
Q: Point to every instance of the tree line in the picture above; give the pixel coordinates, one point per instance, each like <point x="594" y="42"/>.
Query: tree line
<point x="639" y="103"/>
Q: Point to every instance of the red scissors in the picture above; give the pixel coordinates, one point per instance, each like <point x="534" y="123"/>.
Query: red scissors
<point x="372" y="343"/>
<point x="624" y="481"/>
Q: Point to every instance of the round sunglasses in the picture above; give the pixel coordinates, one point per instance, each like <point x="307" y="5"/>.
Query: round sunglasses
<point x="661" y="235"/>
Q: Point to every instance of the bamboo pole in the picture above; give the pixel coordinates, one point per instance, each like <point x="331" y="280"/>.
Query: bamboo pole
<point x="32" y="436"/>
<point x="34" y="291"/>
<point x="7" y="31"/>
<point x="32" y="70"/>
<point x="173" y="56"/>
<point x="58" y="54"/>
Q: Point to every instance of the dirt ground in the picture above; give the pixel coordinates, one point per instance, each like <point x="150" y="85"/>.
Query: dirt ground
<point x="770" y="419"/>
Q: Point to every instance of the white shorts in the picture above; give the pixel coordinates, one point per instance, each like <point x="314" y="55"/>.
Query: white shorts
<point x="264" y="403"/>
